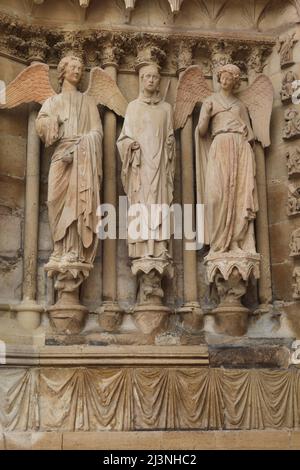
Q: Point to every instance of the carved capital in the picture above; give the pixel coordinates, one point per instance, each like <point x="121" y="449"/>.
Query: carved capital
<point x="37" y="50"/>
<point x="111" y="49"/>
<point x="150" y="48"/>
<point x="185" y="51"/>
<point x="72" y="44"/>
<point x="221" y="54"/>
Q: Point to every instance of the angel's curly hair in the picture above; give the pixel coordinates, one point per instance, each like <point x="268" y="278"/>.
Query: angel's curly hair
<point x="61" y="68"/>
<point x="233" y="70"/>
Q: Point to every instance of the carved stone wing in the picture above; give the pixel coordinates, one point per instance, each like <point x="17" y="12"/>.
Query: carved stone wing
<point x="31" y="85"/>
<point x="106" y="92"/>
<point x="192" y="88"/>
<point x="258" y="98"/>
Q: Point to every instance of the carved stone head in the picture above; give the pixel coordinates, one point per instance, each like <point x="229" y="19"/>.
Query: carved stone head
<point x="149" y="79"/>
<point x="229" y="76"/>
<point x="70" y="68"/>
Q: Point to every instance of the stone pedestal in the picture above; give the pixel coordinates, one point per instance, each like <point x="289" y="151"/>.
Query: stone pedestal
<point x="67" y="316"/>
<point x="110" y="316"/>
<point x="150" y="315"/>
<point x="230" y="272"/>
<point x="29" y="314"/>
<point x="191" y="316"/>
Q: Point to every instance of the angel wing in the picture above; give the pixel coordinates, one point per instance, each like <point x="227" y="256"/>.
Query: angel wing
<point x="106" y="92"/>
<point x="258" y="98"/>
<point x="31" y="85"/>
<point x="192" y="88"/>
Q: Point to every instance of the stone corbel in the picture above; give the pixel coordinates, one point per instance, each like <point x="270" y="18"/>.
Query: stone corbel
<point x="129" y="7"/>
<point x="175" y="6"/>
<point x="84" y="3"/>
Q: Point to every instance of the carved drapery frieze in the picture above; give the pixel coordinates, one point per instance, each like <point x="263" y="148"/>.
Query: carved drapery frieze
<point x="291" y="128"/>
<point x="296" y="284"/>
<point x="293" y="206"/>
<point x="295" y="243"/>
<point x="285" y="48"/>
<point x="94" y="399"/>
<point x="287" y="86"/>
<point x="293" y="161"/>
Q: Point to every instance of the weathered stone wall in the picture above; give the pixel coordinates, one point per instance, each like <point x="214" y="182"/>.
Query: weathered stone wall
<point x="235" y="18"/>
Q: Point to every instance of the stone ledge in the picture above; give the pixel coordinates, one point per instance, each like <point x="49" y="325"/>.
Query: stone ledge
<point x="81" y="355"/>
<point x="153" y="440"/>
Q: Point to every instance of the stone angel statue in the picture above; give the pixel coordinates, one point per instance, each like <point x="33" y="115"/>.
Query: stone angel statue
<point x="69" y="122"/>
<point x="229" y="122"/>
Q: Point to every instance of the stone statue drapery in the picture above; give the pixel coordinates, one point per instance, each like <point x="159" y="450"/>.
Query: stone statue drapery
<point x="148" y="171"/>
<point x="73" y="188"/>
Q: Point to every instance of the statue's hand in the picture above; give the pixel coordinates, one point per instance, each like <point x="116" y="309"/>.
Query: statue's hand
<point x="170" y="141"/>
<point x="208" y="107"/>
<point x="67" y="158"/>
<point x="135" y="146"/>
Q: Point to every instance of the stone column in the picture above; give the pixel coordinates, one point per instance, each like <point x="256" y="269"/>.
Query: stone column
<point x="255" y="67"/>
<point x="28" y="311"/>
<point x="110" y="312"/>
<point x="190" y="312"/>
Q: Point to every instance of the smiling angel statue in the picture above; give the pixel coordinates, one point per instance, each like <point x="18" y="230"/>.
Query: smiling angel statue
<point x="70" y="124"/>
<point x="229" y="123"/>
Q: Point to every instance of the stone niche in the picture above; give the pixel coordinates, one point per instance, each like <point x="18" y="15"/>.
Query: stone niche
<point x="187" y="340"/>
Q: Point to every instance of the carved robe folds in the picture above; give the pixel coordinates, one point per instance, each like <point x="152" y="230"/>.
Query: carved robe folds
<point x="73" y="191"/>
<point x="148" y="172"/>
<point x="230" y="194"/>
